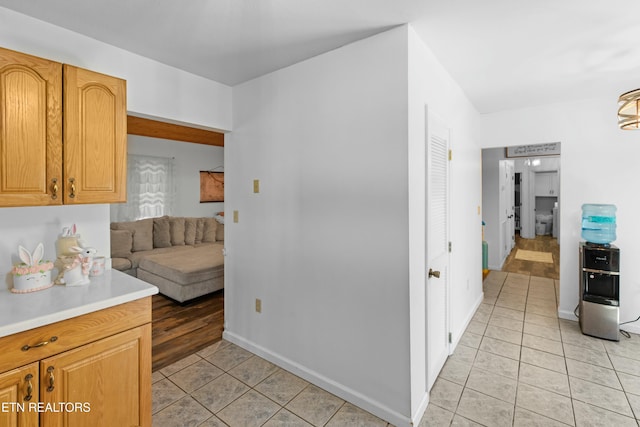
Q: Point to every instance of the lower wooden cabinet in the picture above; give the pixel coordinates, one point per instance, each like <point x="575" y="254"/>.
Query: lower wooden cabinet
<point x="19" y="389"/>
<point x="99" y="382"/>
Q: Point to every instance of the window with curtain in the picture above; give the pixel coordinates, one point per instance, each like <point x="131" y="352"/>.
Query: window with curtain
<point x="150" y="189"/>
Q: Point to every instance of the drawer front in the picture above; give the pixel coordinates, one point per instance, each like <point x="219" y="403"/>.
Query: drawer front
<point x="72" y="333"/>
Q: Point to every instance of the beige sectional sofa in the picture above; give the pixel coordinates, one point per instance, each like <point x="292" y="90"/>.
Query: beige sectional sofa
<point x="182" y="256"/>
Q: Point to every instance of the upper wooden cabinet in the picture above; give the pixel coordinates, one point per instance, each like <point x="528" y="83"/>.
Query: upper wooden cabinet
<point x="30" y="130"/>
<point x="37" y="165"/>
<point x="95" y="137"/>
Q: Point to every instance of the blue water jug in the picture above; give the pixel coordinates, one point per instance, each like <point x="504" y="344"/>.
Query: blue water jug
<point x="598" y="223"/>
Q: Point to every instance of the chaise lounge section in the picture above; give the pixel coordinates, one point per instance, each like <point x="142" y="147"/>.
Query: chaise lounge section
<point x="182" y="256"/>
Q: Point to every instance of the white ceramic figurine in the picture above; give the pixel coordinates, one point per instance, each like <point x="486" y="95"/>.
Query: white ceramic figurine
<point x="32" y="274"/>
<point x="75" y="272"/>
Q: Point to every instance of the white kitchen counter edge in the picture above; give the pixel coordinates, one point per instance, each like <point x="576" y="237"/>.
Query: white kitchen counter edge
<point x="22" y="312"/>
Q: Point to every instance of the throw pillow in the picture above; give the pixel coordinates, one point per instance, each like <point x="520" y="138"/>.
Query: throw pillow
<point x="190" y="228"/>
<point x="161" y="232"/>
<point x="220" y="232"/>
<point x="199" y="230"/>
<point x="210" y="226"/>
<point x="142" y="231"/>
<point x="176" y="225"/>
<point x="121" y="243"/>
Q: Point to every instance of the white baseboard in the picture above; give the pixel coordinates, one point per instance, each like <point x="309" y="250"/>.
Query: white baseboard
<point x="457" y="335"/>
<point x="633" y="328"/>
<point x="376" y="408"/>
<point x="419" y="413"/>
<point x="568" y="315"/>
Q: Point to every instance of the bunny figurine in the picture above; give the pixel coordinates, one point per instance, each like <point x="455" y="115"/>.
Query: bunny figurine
<point x="75" y="271"/>
<point x="32" y="274"/>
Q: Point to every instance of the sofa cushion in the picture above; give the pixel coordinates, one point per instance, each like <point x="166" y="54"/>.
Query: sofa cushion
<point x="188" y="266"/>
<point x="136" y="257"/>
<point x="142" y="231"/>
<point x="190" y="229"/>
<point x="209" y="233"/>
<point x="177" y="230"/>
<point x="161" y="232"/>
<point x="121" y="243"/>
<point x="120" y="264"/>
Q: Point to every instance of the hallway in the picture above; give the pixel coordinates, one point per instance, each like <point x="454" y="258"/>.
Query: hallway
<point x="538" y="269"/>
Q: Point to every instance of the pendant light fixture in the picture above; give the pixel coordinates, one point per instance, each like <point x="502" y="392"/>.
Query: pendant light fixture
<point x="629" y="110"/>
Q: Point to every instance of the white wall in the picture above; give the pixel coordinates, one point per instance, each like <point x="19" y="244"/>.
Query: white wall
<point x="325" y="242"/>
<point x="599" y="164"/>
<point x="334" y="244"/>
<point x="189" y="160"/>
<point x="431" y="85"/>
<point x="153" y="89"/>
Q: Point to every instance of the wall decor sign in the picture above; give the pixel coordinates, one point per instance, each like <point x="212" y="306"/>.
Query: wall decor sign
<point x="211" y="186"/>
<point x="548" y="149"/>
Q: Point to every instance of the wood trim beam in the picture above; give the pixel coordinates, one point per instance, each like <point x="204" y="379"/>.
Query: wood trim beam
<point x="157" y="129"/>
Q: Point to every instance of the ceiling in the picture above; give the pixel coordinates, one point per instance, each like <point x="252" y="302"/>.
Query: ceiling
<point x="504" y="53"/>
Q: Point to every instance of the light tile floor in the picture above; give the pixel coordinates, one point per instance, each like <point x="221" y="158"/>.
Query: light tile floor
<point x="517" y="364"/>
<point x="225" y="385"/>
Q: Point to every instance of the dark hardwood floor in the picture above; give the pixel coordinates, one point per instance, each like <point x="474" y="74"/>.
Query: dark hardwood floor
<point x="540" y="269"/>
<point x="179" y="330"/>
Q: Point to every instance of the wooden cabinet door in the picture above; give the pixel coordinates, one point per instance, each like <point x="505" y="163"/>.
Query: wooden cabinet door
<point x="18" y="392"/>
<point x="30" y="130"/>
<point x="109" y="382"/>
<point x="95" y="137"/>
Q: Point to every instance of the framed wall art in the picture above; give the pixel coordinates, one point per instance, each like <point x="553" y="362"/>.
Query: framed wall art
<point x="211" y="186"/>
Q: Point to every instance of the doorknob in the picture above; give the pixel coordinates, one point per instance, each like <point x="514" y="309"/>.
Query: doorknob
<point x="434" y="273"/>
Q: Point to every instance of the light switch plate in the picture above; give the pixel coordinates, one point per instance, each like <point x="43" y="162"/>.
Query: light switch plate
<point x="256" y="185"/>
<point x="258" y="305"/>
<point x="235" y="216"/>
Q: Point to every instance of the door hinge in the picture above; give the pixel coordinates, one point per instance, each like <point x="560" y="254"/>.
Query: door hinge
<point x="449" y="246"/>
<point x="450" y="339"/>
<point x="450" y="154"/>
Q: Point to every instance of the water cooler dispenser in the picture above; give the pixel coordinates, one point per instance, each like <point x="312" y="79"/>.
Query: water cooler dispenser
<point x="600" y="290"/>
<point x="599" y="303"/>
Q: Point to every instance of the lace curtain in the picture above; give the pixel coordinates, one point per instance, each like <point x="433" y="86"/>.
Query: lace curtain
<point x="150" y="189"/>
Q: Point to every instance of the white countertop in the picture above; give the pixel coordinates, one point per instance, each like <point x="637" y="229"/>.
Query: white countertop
<point x="21" y="312"/>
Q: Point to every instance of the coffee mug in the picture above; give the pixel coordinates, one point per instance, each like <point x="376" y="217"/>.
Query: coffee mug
<point x="97" y="268"/>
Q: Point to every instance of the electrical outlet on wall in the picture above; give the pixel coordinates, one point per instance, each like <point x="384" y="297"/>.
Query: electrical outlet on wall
<point x="258" y="305"/>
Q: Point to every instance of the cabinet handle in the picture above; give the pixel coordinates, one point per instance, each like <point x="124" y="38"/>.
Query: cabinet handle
<point x="73" y="187"/>
<point x="28" y="379"/>
<point x="51" y="378"/>
<point x="26" y="347"/>
<point x="54" y="188"/>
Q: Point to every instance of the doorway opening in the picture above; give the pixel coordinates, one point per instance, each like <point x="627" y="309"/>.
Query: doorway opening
<point x="521" y="205"/>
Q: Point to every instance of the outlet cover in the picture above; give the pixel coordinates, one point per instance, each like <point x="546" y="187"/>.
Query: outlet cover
<point x="256" y="185"/>
<point x="235" y="216"/>
<point x="258" y="305"/>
